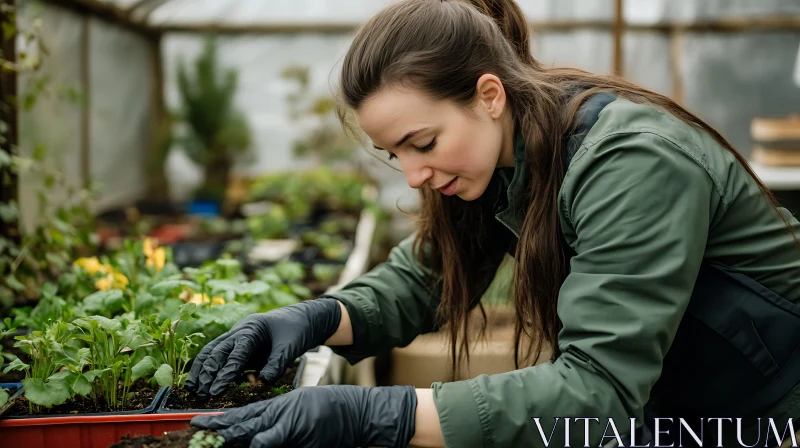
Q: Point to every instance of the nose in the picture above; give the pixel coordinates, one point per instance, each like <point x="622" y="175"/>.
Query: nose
<point x="416" y="171"/>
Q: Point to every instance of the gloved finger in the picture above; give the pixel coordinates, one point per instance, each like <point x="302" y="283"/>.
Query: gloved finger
<point x="272" y="438"/>
<point x="243" y="349"/>
<point x="277" y="363"/>
<point x="216" y="359"/>
<point x="197" y="365"/>
<point x="246" y="430"/>
<point x="230" y="417"/>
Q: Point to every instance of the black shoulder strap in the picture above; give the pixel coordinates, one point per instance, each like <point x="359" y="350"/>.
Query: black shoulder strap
<point x="587" y="116"/>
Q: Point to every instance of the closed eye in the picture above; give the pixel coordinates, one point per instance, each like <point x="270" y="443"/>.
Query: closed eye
<point x="427" y="147"/>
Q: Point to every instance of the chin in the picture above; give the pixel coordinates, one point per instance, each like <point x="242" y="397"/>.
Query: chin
<point x="471" y="194"/>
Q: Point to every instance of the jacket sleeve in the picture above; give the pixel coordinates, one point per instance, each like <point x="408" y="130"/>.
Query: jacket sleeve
<point x="636" y="209"/>
<point x="388" y="306"/>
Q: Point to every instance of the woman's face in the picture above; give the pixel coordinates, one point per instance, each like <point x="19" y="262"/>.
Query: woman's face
<point x="439" y="143"/>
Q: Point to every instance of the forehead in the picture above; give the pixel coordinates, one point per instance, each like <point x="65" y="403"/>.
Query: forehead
<point x="390" y="113"/>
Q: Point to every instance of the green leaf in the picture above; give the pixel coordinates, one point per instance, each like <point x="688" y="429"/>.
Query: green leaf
<point x="9" y="212"/>
<point x="187" y="309"/>
<point x="143" y="368"/>
<point x="105" y="323"/>
<point x="110" y="301"/>
<point x="14" y="284"/>
<point x="81" y="385"/>
<point x="49" y="289"/>
<point x="168" y="285"/>
<point x="284" y="298"/>
<point x="163" y="375"/>
<point x="45" y="393"/>
<point x="61" y="376"/>
<point x="16" y="364"/>
<point x="3" y="397"/>
<point x="93" y="374"/>
<point x="300" y="290"/>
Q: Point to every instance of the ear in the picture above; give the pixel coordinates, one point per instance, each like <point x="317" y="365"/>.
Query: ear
<point x="491" y="94"/>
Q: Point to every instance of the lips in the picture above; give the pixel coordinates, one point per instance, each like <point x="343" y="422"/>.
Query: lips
<point x="449" y="188"/>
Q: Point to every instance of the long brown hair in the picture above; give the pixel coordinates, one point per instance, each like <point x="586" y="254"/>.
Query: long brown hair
<point x="441" y="48"/>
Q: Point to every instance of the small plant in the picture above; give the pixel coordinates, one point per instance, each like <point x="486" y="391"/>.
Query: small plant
<point x="204" y="439"/>
<point x="280" y="390"/>
<point x="217" y="131"/>
<point x="175" y="347"/>
<point x="44" y="384"/>
<point x="272" y="225"/>
<point x="326" y="273"/>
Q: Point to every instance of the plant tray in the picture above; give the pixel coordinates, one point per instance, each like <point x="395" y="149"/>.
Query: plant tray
<point x="100" y="430"/>
<point x="79" y="431"/>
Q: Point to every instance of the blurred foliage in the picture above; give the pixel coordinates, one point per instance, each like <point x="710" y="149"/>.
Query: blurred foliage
<point x="63" y="228"/>
<point x="216" y="132"/>
<point x="325" y="141"/>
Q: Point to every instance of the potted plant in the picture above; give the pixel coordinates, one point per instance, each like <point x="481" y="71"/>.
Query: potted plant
<point x="216" y="132"/>
<point x="119" y="330"/>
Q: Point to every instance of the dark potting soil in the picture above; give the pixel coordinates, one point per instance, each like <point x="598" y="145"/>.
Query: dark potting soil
<point x="15" y="376"/>
<point x="171" y="439"/>
<point x="140" y="396"/>
<point x="236" y="396"/>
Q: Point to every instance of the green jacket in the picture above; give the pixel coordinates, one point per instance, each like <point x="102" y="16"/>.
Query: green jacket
<point x="645" y="200"/>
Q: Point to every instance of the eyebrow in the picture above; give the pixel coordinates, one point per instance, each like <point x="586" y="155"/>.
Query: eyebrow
<point x="404" y="139"/>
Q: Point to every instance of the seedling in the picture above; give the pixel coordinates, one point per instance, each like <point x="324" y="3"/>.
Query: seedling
<point x="203" y="439"/>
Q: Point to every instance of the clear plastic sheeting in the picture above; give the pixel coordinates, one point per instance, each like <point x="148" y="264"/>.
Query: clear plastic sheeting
<point x="586" y="49"/>
<point x="238" y="12"/>
<point x="661" y="11"/>
<point x="262" y="93"/>
<point x="647" y="60"/>
<point x="729" y="79"/>
<point x="121" y="76"/>
<point x="53" y="124"/>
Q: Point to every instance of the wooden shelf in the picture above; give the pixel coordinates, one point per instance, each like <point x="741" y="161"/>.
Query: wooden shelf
<point x="778" y="178"/>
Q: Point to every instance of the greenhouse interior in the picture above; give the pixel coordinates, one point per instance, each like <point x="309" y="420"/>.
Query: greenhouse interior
<point x="212" y="233"/>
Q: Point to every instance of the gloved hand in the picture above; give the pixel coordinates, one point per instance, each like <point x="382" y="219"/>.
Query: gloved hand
<point x="322" y="417"/>
<point x="269" y="342"/>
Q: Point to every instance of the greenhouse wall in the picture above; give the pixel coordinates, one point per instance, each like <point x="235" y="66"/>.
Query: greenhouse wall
<point x="727" y="78"/>
<point x="120" y="73"/>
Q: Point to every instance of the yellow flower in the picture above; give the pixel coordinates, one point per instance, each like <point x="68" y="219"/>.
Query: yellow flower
<point x="156" y="256"/>
<point x="91" y="265"/>
<point x="200" y="299"/>
<point x="114" y="280"/>
<point x="147" y="247"/>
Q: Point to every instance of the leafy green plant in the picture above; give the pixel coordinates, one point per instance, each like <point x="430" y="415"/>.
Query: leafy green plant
<point x="326" y="141"/>
<point x="110" y="344"/>
<point x="274" y="224"/>
<point x="63" y="228"/>
<point x="326" y="273"/>
<point x="204" y="439"/>
<point x="44" y="384"/>
<point x="175" y="347"/>
<point x="217" y="131"/>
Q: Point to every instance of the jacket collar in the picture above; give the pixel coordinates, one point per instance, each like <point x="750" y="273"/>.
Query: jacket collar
<point x="507" y="191"/>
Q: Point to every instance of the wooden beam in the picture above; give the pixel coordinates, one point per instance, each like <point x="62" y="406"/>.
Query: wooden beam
<point x="104" y="11"/>
<point x="9" y="114"/>
<point x="676" y="43"/>
<point x="722" y="25"/>
<point x="619" y="23"/>
<point x="86" y="105"/>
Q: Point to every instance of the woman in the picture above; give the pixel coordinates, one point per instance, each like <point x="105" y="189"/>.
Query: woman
<point x="636" y="229"/>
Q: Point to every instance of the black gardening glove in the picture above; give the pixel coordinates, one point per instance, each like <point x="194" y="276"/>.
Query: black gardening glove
<point x="322" y="417"/>
<point x="269" y="342"/>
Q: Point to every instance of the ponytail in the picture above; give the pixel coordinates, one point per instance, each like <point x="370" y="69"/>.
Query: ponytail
<point x="512" y="23"/>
